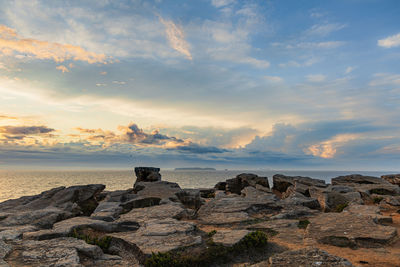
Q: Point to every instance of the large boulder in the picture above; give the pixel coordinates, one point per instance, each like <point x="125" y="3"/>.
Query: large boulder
<point x="160" y="189"/>
<point x="306" y="257"/>
<point x="392" y="178"/>
<point x="334" y="200"/>
<point x="357" y="179"/>
<point x="147" y="174"/>
<point x="348" y="229"/>
<point x="237" y="184"/>
<point x="282" y="183"/>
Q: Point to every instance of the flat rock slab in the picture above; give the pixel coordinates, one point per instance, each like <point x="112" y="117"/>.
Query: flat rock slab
<point x="159" y="212"/>
<point x="309" y="257"/>
<point x="349" y="230"/>
<point x="160" y="189"/>
<point x="54" y="252"/>
<point x="228" y="209"/>
<point x="228" y="238"/>
<point x="161" y="236"/>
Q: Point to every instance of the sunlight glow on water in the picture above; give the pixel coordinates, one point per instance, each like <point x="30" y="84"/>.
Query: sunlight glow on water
<point x="14" y="184"/>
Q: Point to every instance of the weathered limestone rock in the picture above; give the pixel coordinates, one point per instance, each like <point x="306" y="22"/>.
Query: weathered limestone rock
<point x="66" y="227"/>
<point x="237" y="184"/>
<point x="54" y="252"/>
<point x="160" y="212"/>
<point x="107" y="211"/>
<point x="372" y="211"/>
<point x="305" y="258"/>
<point x="57" y="204"/>
<point x="15" y="232"/>
<point x="225" y="209"/>
<point x="282" y="182"/>
<point x="332" y="200"/>
<point x="190" y="198"/>
<point x="297" y="199"/>
<point x="147" y="174"/>
<point x="5" y="249"/>
<point x="347" y="229"/>
<point x="352" y="179"/>
<point x="392" y="178"/>
<point x="160" y="189"/>
<point x="161" y="236"/>
<point x="228" y="238"/>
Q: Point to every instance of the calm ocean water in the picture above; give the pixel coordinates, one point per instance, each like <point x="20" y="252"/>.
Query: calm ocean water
<point x="14" y="184"/>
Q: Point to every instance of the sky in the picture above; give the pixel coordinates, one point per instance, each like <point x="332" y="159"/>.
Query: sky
<point x="301" y="84"/>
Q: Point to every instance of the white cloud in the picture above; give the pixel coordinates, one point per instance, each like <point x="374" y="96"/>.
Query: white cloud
<point x="324" y="29"/>
<point x="391" y="41"/>
<point x="385" y="79"/>
<point x="274" y="79"/>
<point x="349" y="69"/>
<point x="221" y="3"/>
<point x="176" y="38"/>
<point x="306" y="63"/>
<point x="316" y="78"/>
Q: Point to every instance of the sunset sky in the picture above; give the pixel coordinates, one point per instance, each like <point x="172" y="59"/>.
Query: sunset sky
<point x="298" y="84"/>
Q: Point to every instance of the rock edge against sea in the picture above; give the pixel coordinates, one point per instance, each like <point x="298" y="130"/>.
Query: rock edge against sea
<point x="244" y="221"/>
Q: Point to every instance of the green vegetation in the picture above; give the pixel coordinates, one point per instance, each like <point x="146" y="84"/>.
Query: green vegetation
<point x="341" y="207"/>
<point x="377" y="200"/>
<point x="303" y="224"/>
<point x="213" y="253"/>
<point x="103" y="242"/>
<point x="213" y="232"/>
<point x="380" y="191"/>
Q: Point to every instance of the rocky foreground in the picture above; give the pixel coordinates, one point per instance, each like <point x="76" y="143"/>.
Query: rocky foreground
<point x="300" y="221"/>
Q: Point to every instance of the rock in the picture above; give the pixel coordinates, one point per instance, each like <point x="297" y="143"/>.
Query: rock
<point x="147" y="174"/>
<point x="54" y="252"/>
<point x="107" y="211"/>
<point x="140" y="202"/>
<point x="119" y="196"/>
<point x="5" y="249"/>
<point x="161" y="190"/>
<point x="306" y="257"/>
<point x="357" y="179"/>
<point x="190" y="198"/>
<point x="160" y="212"/>
<point x="207" y="192"/>
<point x="228" y="238"/>
<point x="15" y="232"/>
<point x="392" y="178"/>
<point x="161" y="236"/>
<point x="51" y="206"/>
<point x="349" y="230"/>
<point x="237" y="184"/>
<point x="379" y="189"/>
<point x="392" y="200"/>
<point x="294" y="212"/>
<point x="341" y="188"/>
<point x="372" y="211"/>
<point x="282" y="182"/>
<point x="66" y="227"/>
<point x="43" y="218"/>
<point x="226" y="209"/>
<point x="297" y="199"/>
<point x="332" y="200"/>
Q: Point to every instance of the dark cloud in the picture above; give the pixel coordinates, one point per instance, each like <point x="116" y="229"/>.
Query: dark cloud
<point x="25" y="130"/>
<point x="198" y="149"/>
<point x="134" y="134"/>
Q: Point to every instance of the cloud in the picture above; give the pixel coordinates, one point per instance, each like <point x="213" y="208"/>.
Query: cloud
<point x="25" y="130"/>
<point x="62" y="68"/>
<point x="222" y="3"/>
<point x="391" y="41"/>
<point x="328" y="148"/>
<point x="11" y="43"/>
<point x="316" y="78"/>
<point x="306" y="63"/>
<point x="197" y="149"/>
<point x="176" y="37"/>
<point x="349" y="69"/>
<point x="324" y="29"/>
<point x="274" y="79"/>
<point x="384" y="79"/>
<point x="318" y="45"/>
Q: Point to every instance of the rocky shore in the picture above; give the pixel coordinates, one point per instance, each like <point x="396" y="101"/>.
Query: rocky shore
<point x="244" y="221"/>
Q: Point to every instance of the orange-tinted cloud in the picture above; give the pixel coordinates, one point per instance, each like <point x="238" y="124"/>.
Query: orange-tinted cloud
<point x="176" y="38"/>
<point x="11" y="42"/>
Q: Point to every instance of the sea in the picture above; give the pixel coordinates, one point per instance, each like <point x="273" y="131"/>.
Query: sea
<point x="14" y="184"/>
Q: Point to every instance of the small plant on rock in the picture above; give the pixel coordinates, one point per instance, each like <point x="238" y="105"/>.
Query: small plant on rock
<point x="377" y="200"/>
<point x="341" y="207"/>
<point x="303" y="224"/>
<point x="211" y="233"/>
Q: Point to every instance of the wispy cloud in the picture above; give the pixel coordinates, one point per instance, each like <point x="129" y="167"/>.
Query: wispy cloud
<point x="324" y="29"/>
<point x="176" y="37"/>
<point x="274" y="79"/>
<point x="391" y="41"/>
<point x="62" y="68"/>
<point x="349" y="69"/>
<point x="221" y="3"/>
<point x="316" y="78"/>
<point x="11" y="43"/>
